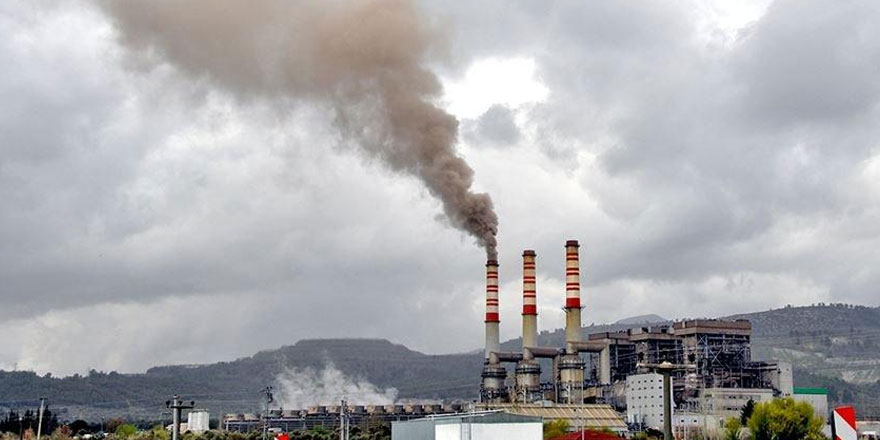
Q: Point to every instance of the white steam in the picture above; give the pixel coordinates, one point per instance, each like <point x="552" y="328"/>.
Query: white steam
<point x="300" y="389"/>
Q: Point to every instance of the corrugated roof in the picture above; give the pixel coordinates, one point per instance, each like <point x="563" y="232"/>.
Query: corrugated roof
<point x="587" y="416"/>
<point x="476" y="418"/>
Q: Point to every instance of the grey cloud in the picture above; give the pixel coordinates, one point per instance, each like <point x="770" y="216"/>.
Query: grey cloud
<point x="496" y="127"/>
<point x="701" y="178"/>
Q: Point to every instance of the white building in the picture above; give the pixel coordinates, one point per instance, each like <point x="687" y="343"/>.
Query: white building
<point x="470" y="426"/>
<point x="644" y="399"/>
<point x="197" y="421"/>
<point x="729" y="402"/>
<point x="817" y="397"/>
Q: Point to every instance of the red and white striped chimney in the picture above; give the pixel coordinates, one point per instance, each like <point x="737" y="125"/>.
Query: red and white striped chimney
<point x="493" y="342"/>
<point x="530" y="307"/>
<point x="572" y="292"/>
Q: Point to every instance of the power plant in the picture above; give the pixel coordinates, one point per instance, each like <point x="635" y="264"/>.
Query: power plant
<point x="587" y="380"/>
<point x="567" y="382"/>
<point x="714" y="356"/>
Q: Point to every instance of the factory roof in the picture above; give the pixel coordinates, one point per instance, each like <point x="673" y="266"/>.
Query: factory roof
<point x="587" y="416"/>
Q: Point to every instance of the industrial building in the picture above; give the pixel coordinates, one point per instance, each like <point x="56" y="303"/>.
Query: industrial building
<point x="330" y="416"/>
<point x="491" y="425"/>
<point x="714" y="377"/>
<point x="817" y="397"/>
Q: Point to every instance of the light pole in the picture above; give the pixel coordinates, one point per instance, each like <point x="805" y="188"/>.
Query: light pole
<point x="666" y="369"/>
<point x="40" y="417"/>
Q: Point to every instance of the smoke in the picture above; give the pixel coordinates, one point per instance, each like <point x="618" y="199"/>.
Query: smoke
<point x="303" y="388"/>
<point x="363" y="57"/>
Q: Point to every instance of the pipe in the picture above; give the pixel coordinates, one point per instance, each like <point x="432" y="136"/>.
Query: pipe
<point x="530" y="308"/>
<point x="496" y="357"/>
<point x="541" y="352"/>
<point x="493" y="337"/>
<point x="572" y="292"/>
<point x="572" y="347"/>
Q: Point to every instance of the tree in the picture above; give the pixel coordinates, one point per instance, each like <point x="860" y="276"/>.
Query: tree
<point x="746" y="412"/>
<point x="79" y="426"/>
<point x="125" y="430"/>
<point x="785" y="419"/>
<point x="732" y="428"/>
<point x="555" y="428"/>
<point x="114" y="423"/>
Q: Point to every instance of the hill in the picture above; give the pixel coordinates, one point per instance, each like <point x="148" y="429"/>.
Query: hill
<point x="834" y="346"/>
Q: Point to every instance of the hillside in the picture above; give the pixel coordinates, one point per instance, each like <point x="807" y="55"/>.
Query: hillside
<point x="837" y="340"/>
<point x="235" y="386"/>
<point x="827" y="343"/>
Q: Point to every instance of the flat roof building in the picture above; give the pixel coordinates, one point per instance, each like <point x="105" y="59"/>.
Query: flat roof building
<point x="470" y="426"/>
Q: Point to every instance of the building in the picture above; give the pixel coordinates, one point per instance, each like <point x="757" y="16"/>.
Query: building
<point x="817" y="397"/>
<point x="710" y="353"/>
<point x="583" y="416"/>
<point x="470" y="426"/>
<point x="644" y="400"/>
<point x="198" y="421"/>
<point x="729" y="402"/>
<point x="329" y="416"/>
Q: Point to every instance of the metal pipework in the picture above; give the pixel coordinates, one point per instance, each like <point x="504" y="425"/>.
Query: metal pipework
<point x="497" y="357"/>
<point x="540" y="352"/>
<point x="572" y="292"/>
<point x="530" y="307"/>
<point x="572" y="347"/>
<point x="493" y="337"/>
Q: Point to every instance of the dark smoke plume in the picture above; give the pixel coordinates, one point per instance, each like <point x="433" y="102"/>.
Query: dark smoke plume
<point x="364" y="57"/>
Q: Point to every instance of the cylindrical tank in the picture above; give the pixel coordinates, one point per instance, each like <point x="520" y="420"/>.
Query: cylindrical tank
<point x="528" y="381"/>
<point x="571" y="379"/>
<point x="493" y="388"/>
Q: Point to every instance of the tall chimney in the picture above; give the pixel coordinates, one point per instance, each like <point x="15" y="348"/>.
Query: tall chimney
<point x="572" y="292"/>
<point x="530" y="308"/>
<point x="493" y="342"/>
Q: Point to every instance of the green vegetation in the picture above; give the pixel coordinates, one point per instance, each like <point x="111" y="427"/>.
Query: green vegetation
<point x="555" y="428"/>
<point x="125" y="431"/>
<point x="733" y="428"/>
<point x="746" y="412"/>
<point x="785" y="419"/>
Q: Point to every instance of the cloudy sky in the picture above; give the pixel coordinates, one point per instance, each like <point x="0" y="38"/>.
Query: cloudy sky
<point x="712" y="157"/>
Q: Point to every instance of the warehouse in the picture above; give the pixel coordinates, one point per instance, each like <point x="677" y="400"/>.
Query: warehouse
<point x="470" y="426"/>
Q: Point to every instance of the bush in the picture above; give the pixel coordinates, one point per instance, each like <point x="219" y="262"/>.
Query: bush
<point x="785" y="419"/>
<point x="555" y="428"/>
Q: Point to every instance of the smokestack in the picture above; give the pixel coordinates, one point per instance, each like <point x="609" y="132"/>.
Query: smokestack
<point x="572" y="292"/>
<point x="493" y="342"/>
<point x="530" y="308"/>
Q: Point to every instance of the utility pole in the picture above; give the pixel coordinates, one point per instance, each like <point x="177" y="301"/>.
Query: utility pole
<point x="269" y="398"/>
<point x="177" y="406"/>
<point x="40" y="417"/>
<point x="343" y="426"/>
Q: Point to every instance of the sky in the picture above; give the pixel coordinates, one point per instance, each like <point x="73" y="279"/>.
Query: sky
<point x="711" y="157"/>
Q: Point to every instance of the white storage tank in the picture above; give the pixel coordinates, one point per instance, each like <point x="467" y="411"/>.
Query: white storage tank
<point x="197" y="421"/>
